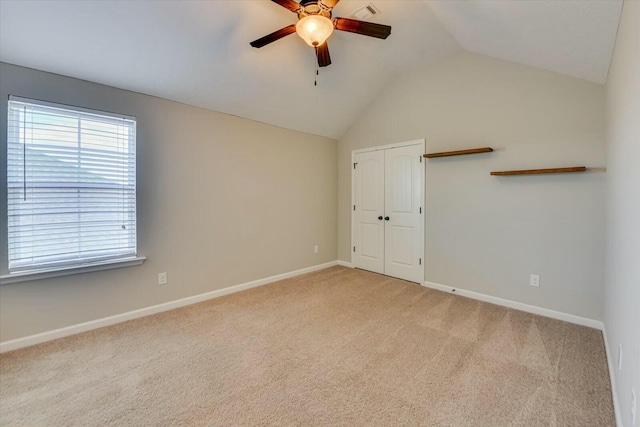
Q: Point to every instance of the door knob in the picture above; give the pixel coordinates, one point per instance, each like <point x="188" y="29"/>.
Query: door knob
<point x="386" y="218"/>
<point x="380" y="218"/>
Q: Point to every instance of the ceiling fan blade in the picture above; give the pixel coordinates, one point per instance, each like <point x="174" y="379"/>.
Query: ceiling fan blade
<point x="277" y="35"/>
<point x="329" y="3"/>
<point x="322" y="52"/>
<point x="289" y="4"/>
<point x="362" y="27"/>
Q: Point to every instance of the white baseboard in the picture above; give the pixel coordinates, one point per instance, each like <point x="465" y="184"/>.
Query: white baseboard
<point x="345" y="264"/>
<point x="612" y="377"/>
<point x="584" y="321"/>
<point x="123" y="317"/>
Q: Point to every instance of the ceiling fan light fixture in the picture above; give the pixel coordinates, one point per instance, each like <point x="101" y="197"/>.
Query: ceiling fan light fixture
<point x="314" y="29"/>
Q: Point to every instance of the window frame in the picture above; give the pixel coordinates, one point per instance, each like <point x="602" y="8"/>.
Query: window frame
<point x="26" y="273"/>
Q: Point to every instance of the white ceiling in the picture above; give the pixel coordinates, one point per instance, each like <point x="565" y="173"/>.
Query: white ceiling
<point x="198" y="52"/>
<point x="573" y="37"/>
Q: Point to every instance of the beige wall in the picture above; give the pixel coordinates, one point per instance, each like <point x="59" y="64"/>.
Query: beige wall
<point x="622" y="284"/>
<point x="488" y="234"/>
<point x="221" y="201"/>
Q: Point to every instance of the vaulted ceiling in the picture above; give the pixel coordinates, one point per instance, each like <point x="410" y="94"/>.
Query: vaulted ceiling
<point x="198" y="52"/>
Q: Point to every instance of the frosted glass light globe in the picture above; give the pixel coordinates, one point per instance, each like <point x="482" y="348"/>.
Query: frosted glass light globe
<point x="314" y="29"/>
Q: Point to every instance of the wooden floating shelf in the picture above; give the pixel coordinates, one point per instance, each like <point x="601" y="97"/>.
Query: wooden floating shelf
<point x="459" y="152"/>
<point x="540" y="171"/>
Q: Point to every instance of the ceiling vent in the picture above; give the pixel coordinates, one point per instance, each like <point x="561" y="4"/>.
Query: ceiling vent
<point x="365" y="12"/>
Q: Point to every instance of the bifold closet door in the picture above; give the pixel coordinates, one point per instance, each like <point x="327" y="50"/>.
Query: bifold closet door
<point x="368" y="211"/>
<point x="388" y="218"/>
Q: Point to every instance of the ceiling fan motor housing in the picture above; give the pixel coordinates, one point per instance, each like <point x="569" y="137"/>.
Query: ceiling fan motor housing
<point x="313" y="7"/>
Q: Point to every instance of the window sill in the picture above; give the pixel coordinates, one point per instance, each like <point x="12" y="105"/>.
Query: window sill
<point x="47" y="273"/>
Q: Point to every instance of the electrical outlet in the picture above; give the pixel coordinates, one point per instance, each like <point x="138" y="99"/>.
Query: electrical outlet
<point x="162" y="278"/>
<point x="316" y="249"/>
<point x="634" y="407"/>
<point x="619" y="356"/>
<point x="534" y="280"/>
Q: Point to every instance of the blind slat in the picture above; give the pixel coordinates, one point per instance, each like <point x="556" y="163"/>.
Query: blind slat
<point x="53" y="226"/>
<point x="66" y="244"/>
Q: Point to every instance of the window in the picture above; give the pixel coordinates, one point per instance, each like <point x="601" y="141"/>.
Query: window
<point x="71" y="186"/>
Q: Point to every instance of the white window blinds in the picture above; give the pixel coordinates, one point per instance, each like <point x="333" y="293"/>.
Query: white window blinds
<point x="71" y="186"/>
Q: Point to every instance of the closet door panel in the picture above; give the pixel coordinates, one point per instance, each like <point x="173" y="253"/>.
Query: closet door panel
<point x="404" y="227"/>
<point x="368" y="251"/>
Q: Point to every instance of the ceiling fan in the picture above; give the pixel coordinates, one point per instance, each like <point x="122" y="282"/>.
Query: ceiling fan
<point x="315" y="25"/>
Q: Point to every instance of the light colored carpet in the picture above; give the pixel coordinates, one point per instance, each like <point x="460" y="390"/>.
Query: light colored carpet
<point x="334" y="347"/>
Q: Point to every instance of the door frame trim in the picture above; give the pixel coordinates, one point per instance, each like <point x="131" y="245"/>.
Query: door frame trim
<point x="421" y="142"/>
<point x="386" y="147"/>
